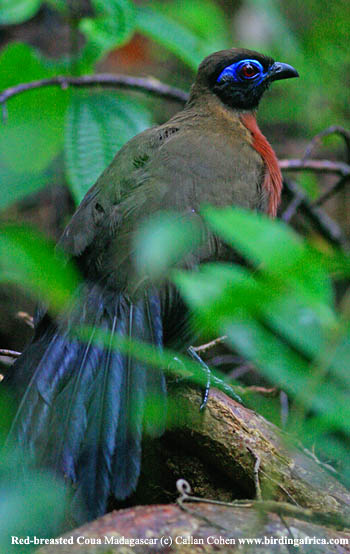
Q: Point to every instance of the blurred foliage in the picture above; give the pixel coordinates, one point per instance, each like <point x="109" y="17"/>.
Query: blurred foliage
<point x="282" y="316"/>
<point x="152" y="239"/>
<point x="29" y="260"/>
<point x="112" y="26"/>
<point x="18" y="11"/>
<point x="32" y="504"/>
<point x="33" y="135"/>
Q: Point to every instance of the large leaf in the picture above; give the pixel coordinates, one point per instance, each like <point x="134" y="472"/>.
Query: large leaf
<point x="218" y="292"/>
<point x="17" y="11"/>
<point x="163" y="241"/>
<point x="180" y="40"/>
<point x="287" y="369"/>
<point x="113" y="25"/>
<point x="14" y="186"/>
<point x="32" y="503"/>
<point x="269" y="325"/>
<point x="33" y="134"/>
<point x="205" y="18"/>
<point x="97" y="126"/>
<point x="29" y="260"/>
<point x="274" y="245"/>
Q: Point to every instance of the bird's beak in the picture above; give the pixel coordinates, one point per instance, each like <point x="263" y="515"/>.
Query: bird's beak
<point x="281" y="71"/>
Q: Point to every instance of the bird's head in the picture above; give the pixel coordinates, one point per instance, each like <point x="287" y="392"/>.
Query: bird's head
<point x="240" y="77"/>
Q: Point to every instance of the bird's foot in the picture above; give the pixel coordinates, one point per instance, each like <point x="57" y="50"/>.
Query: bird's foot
<point x="207" y="381"/>
<point x="205" y="368"/>
<point x="213" y="380"/>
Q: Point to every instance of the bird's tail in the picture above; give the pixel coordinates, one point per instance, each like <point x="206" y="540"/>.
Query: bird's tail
<point x="82" y="405"/>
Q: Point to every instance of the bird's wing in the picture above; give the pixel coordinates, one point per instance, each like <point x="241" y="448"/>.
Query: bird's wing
<point x="121" y="190"/>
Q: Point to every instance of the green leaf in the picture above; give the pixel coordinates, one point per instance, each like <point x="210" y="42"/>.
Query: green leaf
<point x="204" y="18"/>
<point x="172" y="35"/>
<point x="97" y="126"/>
<point x="32" y="502"/>
<point x="218" y="292"/>
<point x="288" y="339"/>
<point x="17" y="11"/>
<point x="282" y="365"/>
<point x="29" y="260"/>
<point x="276" y="332"/>
<point x="15" y="186"/>
<point x="274" y="245"/>
<point x="113" y="26"/>
<point x="163" y="241"/>
<point x="33" y="134"/>
<point x="289" y="370"/>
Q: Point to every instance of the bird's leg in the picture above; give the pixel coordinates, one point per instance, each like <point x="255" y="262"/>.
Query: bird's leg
<point x="211" y="379"/>
<point x="206" y="389"/>
<point x="184" y="374"/>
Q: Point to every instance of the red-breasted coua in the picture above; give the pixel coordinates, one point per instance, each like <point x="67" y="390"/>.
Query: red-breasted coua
<point x="80" y="405"/>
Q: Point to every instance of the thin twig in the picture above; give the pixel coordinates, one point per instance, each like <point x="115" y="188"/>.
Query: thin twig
<point x="320" y="166"/>
<point x="241" y="370"/>
<point x="9" y="353"/>
<point x="337" y="187"/>
<point x="28" y="319"/>
<point x="100" y="80"/>
<point x="263" y="391"/>
<point x="209" y="345"/>
<point x="334" y="129"/>
<point x="321" y="221"/>
<point x="258" y="494"/>
<point x="313" y="456"/>
<point x="292" y="208"/>
<point x="337" y="520"/>
<point x="280" y="486"/>
<point x="184" y="489"/>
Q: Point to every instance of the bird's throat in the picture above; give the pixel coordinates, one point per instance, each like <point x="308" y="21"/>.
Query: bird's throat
<point x="273" y="178"/>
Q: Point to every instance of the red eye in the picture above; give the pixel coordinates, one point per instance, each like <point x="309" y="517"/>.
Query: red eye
<point x="248" y="70"/>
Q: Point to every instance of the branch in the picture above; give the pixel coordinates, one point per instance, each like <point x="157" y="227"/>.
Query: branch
<point x="334" y="129"/>
<point x="337" y="187"/>
<point x="202" y="527"/>
<point x="9" y="353"/>
<point x="216" y="450"/>
<point x="321" y="221"/>
<point x="209" y="345"/>
<point x="224" y="452"/>
<point x="26" y="318"/>
<point x="325" y="225"/>
<point x="101" y="80"/>
<point x="320" y="166"/>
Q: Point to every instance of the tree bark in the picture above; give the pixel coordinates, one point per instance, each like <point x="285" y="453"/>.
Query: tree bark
<point x="226" y="452"/>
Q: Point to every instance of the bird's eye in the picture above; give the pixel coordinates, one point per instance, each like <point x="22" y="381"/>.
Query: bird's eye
<point x="245" y="70"/>
<point x="248" y="71"/>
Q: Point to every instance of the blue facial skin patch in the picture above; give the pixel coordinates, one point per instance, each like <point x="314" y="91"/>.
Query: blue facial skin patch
<point x="231" y="72"/>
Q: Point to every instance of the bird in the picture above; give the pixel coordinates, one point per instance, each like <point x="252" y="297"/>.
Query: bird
<point x="80" y="404"/>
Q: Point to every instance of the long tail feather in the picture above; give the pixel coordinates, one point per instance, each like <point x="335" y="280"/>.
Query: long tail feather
<point x="81" y="406"/>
